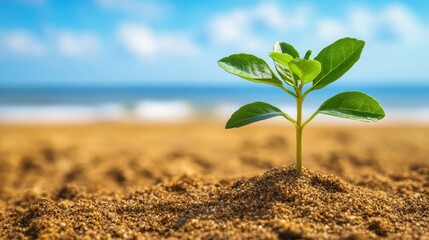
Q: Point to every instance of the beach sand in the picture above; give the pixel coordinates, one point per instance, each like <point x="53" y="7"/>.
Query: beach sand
<point x="189" y="181"/>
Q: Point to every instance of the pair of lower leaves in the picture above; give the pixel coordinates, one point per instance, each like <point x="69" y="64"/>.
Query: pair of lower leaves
<point x="351" y="105"/>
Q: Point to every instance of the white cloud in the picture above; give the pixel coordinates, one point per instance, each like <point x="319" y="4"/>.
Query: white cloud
<point x="269" y="14"/>
<point x="77" y="44"/>
<point x="403" y="22"/>
<point x="239" y="27"/>
<point x="363" y="22"/>
<point x="330" y="29"/>
<point x="278" y="18"/>
<point x="249" y="28"/>
<point x="147" y="8"/>
<point x="22" y="43"/>
<point x="394" y="23"/>
<point x="143" y="41"/>
<point x="234" y="28"/>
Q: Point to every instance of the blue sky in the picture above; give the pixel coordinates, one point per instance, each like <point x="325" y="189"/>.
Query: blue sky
<point x="123" y="42"/>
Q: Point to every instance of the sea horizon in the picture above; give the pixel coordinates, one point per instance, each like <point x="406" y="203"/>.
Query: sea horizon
<point x="151" y="103"/>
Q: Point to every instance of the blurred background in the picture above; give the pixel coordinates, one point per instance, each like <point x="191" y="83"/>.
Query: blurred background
<point x="156" y="61"/>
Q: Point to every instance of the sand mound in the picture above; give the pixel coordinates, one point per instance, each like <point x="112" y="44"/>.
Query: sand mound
<point x="279" y="204"/>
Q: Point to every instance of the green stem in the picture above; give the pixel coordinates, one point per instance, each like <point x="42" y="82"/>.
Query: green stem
<point x="299" y="149"/>
<point x="290" y="119"/>
<point x="307" y="92"/>
<point x="288" y="91"/>
<point x="299" y="129"/>
<point x="310" y="118"/>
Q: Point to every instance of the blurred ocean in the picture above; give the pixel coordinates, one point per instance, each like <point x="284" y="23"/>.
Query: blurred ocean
<point x="184" y="103"/>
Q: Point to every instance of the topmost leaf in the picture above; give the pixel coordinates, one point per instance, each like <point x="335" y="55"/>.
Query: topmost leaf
<point x="337" y="59"/>
<point x="281" y="62"/>
<point x="306" y="70"/>
<point x="249" y="67"/>
<point x="283" y="47"/>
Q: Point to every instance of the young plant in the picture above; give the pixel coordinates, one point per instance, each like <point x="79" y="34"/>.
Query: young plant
<point x="296" y="72"/>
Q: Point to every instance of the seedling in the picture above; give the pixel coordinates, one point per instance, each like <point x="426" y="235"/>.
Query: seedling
<point x="296" y="72"/>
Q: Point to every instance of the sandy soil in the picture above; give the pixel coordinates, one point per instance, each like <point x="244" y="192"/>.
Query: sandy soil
<point x="200" y="181"/>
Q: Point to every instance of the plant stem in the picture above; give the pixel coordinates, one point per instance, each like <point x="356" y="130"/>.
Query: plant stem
<point x="309" y="119"/>
<point x="299" y="129"/>
<point x="288" y="91"/>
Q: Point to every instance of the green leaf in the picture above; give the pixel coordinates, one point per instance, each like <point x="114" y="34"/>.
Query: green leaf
<point x="282" y="58"/>
<point x="281" y="62"/>
<point x="253" y="112"/>
<point x="353" y="105"/>
<point x="283" y="47"/>
<point x="337" y="59"/>
<point x="308" y="54"/>
<point x="249" y="67"/>
<point x="306" y="70"/>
